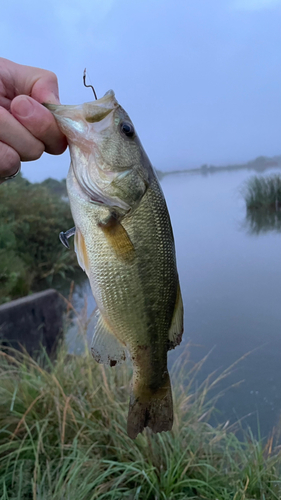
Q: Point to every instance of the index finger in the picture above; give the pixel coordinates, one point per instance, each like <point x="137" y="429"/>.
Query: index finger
<point x="40" y="84"/>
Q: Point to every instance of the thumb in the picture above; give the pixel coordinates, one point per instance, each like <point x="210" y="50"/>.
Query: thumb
<point x="39" y="121"/>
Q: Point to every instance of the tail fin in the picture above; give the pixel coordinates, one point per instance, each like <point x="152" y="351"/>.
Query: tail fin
<point x="155" y="411"/>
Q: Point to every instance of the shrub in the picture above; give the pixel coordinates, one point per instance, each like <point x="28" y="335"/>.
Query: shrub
<point x="31" y="218"/>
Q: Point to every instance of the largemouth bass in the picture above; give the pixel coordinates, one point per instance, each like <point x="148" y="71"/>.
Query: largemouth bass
<point x="124" y="242"/>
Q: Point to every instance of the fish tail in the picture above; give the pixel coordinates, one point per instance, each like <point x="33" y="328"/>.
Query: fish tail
<point x="152" y="409"/>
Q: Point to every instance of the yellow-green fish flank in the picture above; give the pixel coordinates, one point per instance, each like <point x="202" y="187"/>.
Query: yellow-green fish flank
<point x="124" y="242"/>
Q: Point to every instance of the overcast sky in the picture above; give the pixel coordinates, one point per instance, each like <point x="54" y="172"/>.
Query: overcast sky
<point x="201" y="79"/>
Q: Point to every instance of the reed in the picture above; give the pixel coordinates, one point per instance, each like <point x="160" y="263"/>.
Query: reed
<point x="263" y="192"/>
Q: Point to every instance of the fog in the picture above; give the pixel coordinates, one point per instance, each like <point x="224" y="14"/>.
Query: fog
<point x="201" y="80"/>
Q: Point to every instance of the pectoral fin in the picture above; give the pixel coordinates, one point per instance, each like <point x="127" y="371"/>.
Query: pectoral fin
<point x="118" y="238"/>
<point x="105" y="347"/>
<point x="176" y="328"/>
<point x="81" y="251"/>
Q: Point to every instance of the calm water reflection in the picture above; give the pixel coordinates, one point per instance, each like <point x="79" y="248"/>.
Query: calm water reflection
<point x="231" y="284"/>
<point x="261" y="221"/>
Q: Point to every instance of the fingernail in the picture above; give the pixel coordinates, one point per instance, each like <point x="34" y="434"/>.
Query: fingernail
<point x="56" y="97"/>
<point x="52" y="100"/>
<point x="23" y="107"/>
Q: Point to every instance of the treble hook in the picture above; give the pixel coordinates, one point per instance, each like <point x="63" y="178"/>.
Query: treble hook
<point x="84" y="81"/>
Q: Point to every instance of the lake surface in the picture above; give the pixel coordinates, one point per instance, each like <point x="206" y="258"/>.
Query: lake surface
<point x="231" y="285"/>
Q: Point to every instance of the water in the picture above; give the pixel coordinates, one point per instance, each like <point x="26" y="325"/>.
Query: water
<point x="231" y="284"/>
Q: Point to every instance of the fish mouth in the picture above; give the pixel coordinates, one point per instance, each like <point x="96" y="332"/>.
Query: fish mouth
<point x="74" y="118"/>
<point x="79" y="123"/>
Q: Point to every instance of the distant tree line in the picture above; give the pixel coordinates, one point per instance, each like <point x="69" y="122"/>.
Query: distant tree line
<point x="259" y="164"/>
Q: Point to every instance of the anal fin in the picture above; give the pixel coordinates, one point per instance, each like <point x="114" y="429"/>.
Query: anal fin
<point x="105" y="347"/>
<point x="176" y="328"/>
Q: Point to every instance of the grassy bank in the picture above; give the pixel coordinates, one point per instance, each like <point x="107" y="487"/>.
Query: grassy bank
<point x="31" y="218"/>
<point x="63" y="437"/>
<point x="263" y="193"/>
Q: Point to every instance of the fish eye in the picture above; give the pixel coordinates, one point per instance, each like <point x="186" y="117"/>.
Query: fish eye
<point x="127" y="129"/>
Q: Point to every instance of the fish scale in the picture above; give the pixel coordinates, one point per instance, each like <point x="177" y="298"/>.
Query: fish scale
<point x="124" y="242"/>
<point x="151" y="281"/>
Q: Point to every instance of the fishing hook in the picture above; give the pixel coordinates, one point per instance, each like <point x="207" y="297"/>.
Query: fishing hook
<point x="63" y="236"/>
<point x="85" y="84"/>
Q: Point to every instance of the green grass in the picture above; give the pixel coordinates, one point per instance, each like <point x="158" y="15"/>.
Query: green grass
<point x="63" y="437"/>
<point x="263" y="192"/>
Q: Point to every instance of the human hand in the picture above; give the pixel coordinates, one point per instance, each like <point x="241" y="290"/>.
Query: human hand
<point x="27" y="128"/>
